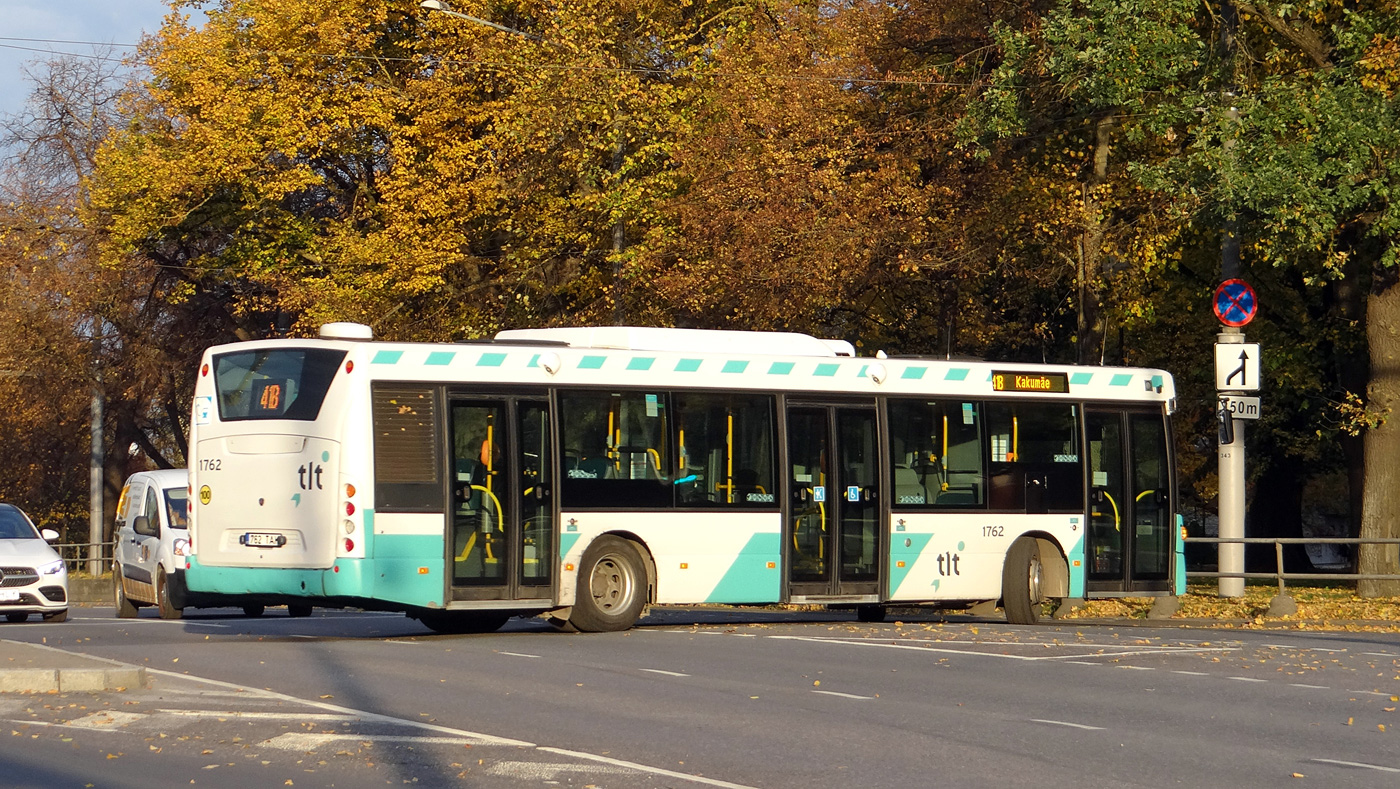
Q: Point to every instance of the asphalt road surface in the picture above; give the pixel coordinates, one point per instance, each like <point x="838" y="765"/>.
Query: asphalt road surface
<point x="707" y="698"/>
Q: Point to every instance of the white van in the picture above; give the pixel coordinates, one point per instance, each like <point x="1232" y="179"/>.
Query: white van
<point x="152" y="540"/>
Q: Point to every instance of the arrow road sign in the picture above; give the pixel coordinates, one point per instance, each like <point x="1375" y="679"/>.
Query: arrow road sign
<point x="1234" y="302"/>
<point x="1237" y="366"/>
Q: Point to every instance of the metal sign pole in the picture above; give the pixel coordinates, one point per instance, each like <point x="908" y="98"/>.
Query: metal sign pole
<point x="1231" y="470"/>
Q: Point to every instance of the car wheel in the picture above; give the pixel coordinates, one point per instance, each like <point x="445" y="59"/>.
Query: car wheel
<point x="16" y="617"/>
<point x="167" y="608"/>
<point x="57" y="616"/>
<point x="125" y="608"/>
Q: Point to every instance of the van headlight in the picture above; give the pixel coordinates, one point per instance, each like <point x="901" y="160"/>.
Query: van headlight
<point x="180" y="547"/>
<point x="52" y="568"/>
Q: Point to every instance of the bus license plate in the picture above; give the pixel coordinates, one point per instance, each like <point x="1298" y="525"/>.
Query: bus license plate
<point x="254" y="539"/>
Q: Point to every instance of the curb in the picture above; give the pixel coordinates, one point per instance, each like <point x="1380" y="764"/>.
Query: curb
<point x="68" y="680"/>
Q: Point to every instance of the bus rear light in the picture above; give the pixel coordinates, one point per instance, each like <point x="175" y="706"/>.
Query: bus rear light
<point x="349" y="527"/>
<point x="349" y="545"/>
<point x="349" y="508"/>
<point x="349" y="491"/>
<point x="203" y="371"/>
<point x="350" y="366"/>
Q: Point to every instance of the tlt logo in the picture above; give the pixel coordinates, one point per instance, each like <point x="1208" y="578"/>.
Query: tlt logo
<point x="309" y="476"/>
<point x="948" y="564"/>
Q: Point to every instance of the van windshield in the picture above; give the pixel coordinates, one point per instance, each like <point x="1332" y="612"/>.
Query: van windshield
<point x="274" y="383"/>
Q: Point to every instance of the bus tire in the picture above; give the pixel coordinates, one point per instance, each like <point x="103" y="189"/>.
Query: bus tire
<point x="298" y="609"/>
<point x="1020" y="582"/>
<point x="125" y="608"/>
<point x="254" y="609"/>
<point x="167" y="609"/>
<point x="612" y="587"/>
<point x="461" y="622"/>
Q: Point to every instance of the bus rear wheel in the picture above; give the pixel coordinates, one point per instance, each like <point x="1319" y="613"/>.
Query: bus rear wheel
<point x="298" y="609"/>
<point x="612" y="587"/>
<point x="1020" y="582"/>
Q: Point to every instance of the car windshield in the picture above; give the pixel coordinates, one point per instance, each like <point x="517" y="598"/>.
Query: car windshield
<point x="14" y="526"/>
<point x="177" y="507"/>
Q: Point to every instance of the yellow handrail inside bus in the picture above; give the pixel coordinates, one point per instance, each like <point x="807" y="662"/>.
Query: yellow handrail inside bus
<point x="500" y="526"/>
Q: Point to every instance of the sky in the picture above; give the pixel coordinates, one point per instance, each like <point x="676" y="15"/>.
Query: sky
<point x="50" y="22"/>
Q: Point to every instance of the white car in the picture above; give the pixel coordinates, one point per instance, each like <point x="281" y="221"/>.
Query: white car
<point x="152" y="541"/>
<point x="33" y="577"/>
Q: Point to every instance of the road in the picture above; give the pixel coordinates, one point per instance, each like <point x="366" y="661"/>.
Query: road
<point x="696" y="698"/>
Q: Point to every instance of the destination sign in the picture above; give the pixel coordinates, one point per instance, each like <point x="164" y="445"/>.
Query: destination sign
<point x="1030" y="382"/>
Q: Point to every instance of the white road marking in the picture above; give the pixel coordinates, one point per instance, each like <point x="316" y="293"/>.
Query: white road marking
<point x="1192" y="673"/>
<point x="295" y="716"/>
<point x="1314" y="687"/>
<point x="1358" y="764"/>
<point x="843" y="695"/>
<point x="1370" y="693"/>
<point x="107" y="720"/>
<point x="667" y="673"/>
<point x="460" y="734"/>
<point x="1067" y="723"/>
<point x="1381" y="654"/>
<point x="1138" y="668"/>
<point x="1247" y="679"/>
<point x="309" y="741"/>
<point x="644" y="768"/>
<point x="515" y="654"/>
<point x="1301" y="648"/>
<point x="915" y="645"/>
<point x="1081" y="663"/>
<point x="548" y="771"/>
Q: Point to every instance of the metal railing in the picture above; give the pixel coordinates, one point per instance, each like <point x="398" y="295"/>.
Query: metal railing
<point x="1279" y="574"/>
<point x="93" y="558"/>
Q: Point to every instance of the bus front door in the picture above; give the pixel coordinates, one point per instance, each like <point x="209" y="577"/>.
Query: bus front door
<point x="501" y="545"/>
<point x="1129" y="544"/>
<point x="833" y="509"/>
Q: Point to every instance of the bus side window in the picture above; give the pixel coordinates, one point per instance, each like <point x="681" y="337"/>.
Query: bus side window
<point x="936" y="458"/>
<point x="1036" y="463"/>
<point x="615" y="450"/>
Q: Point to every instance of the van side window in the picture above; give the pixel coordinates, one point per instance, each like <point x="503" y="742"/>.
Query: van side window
<point x="151" y="512"/>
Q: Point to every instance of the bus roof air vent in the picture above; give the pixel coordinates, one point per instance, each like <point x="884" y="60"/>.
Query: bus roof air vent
<point x="346" y="331"/>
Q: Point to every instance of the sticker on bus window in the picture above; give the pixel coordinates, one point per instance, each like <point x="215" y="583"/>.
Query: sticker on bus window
<point x="203" y="409"/>
<point x="967" y="413"/>
<point x="853" y="493"/>
<point x="651" y="405"/>
<point x="819" y="494"/>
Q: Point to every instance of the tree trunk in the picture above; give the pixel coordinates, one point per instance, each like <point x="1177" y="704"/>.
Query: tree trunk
<point x="1090" y="333"/>
<point x="1380" y="516"/>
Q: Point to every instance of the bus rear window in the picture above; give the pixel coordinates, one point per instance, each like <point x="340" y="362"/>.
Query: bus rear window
<point x="274" y="383"/>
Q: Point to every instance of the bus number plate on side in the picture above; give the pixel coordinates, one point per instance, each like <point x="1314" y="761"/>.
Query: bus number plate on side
<point x="254" y="539"/>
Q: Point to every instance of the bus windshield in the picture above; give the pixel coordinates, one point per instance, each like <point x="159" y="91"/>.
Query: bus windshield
<point x="274" y="383"/>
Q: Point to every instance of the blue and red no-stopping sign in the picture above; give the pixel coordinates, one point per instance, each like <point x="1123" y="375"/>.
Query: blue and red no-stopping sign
<point x="1235" y="304"/>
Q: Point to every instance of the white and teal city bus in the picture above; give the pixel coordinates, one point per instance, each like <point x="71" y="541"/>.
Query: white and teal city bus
<point x="588" y="473"/>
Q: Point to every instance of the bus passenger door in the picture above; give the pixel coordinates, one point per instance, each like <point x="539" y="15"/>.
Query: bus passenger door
<point x="501" y="541"/>
<point x="833" y="535"/>
<point x="1129" y="543"/>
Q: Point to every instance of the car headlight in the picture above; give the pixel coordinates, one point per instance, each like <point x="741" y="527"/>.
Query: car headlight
<point x="181" y="547"/>
<point x="52" y="568"/>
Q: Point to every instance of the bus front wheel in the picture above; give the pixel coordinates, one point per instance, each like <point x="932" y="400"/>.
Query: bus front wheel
<point x="612" y="587"/>
<point x="1020" y="582"/>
